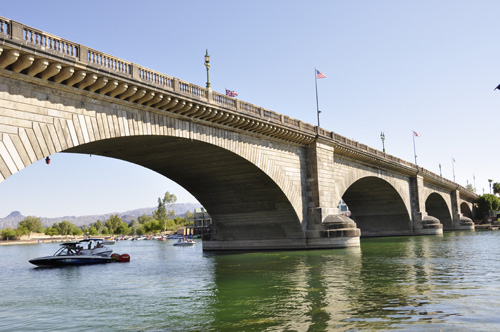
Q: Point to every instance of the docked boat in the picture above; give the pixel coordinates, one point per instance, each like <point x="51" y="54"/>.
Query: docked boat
<point x="184" y="243"/>
<point x="88" y="251"/>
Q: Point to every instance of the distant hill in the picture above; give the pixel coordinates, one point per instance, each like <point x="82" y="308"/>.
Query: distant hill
<point x="13" y="219"/>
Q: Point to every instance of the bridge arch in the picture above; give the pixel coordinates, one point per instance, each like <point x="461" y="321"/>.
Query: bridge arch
<point x="237" y="194"/>
<point x="436" y="206"/>
<point x="245" y="174"/>
<point x="465" y="209"/>
<point x="377" y="207"/>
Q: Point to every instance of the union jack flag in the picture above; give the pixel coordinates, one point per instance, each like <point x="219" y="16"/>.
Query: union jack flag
<point x="231" y="93"/>
<point x="416" y="134"/>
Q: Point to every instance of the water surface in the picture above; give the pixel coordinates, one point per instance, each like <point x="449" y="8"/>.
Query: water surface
<point x="431" y="283"/>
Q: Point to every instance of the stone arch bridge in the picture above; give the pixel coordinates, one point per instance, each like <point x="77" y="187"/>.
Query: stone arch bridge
<point x="268" y="181"/>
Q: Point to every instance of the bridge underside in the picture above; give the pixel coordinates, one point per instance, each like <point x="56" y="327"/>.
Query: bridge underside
<point x="377" y="208"/>
<point x="247" y="208"/>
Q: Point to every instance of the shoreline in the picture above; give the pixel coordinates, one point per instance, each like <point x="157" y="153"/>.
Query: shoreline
<point x="37" y="240"/>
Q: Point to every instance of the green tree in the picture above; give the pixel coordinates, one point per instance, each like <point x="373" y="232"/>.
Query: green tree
<point x="9" y="234"/>
<point x="164" y="210"/>
<point x="144" y="219"/>
<point x="123" y="228"/>
<point x="99" y="226"/>
<point x="92" y="231"/>
<point x="189" y="217"/>
<point x="470" y="187"/>
<point x="487" y="203"/>
<point x="85" y="229"/>
<point x="496" y="188"/>
<point x="135" y="227"/>
<point x="32" y="224"/>
<point x="57" y="228"/>
<point x="51" y="231"/>
<point x="113" y="222"/>
<point x="75" y="231"/>
<point x="152" y="226"/>
<point x="65" y="228"/>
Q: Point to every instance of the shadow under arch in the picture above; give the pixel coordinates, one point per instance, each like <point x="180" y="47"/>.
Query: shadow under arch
<point x="436" y="206"/>
<point x="377" y="208"/>
<point x="243" y="201"/>
<point x="465" y="210"/>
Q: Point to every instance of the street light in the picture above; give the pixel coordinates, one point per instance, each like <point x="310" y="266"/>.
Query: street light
<point x="207" y="64"/>
<point x="382" y="137"/>
<point x="440" y="173"/>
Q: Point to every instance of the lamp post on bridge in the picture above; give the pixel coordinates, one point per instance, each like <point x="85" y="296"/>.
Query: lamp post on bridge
<point x="440" y="173"/>
<point x="207" y="64"/>
<point x="382" y="137"/>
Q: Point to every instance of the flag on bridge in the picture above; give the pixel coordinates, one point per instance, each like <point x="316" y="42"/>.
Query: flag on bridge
<point x="319" y="74"/>
<point x="416" y="134"/>
<point x="231" y="93"/>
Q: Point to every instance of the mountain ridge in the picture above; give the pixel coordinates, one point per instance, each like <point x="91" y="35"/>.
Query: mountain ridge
<point x="12" y="219"/>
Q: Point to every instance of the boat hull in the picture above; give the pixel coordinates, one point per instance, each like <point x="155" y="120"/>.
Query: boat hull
<point x="54" y="261"/>
<point x="184" y="244"/>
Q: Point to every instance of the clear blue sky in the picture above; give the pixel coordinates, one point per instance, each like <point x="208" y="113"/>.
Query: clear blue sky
<point x="392" y="66"/>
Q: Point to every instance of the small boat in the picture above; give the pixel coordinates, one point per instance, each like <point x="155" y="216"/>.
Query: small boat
<point x="184" y="242"/>
<point x="88" y="251"/>
<point x="108" y="242"/>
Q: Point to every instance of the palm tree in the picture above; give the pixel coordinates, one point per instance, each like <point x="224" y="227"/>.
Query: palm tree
<point x="496" y="188"/>
<point x="490" y="181"/>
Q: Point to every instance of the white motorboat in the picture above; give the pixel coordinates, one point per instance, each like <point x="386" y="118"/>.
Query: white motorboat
<point x="88" y="251"/>
<point x="184" y="242"/>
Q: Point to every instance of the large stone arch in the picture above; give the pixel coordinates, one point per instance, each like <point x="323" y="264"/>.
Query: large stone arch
<point x="377" y="208"/>
<point x="269" y="173"/>
<point x="243" y="201"/>
<point x="436" y="206"/>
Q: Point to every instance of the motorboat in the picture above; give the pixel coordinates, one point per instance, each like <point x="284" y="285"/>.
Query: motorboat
<point x="184" y="242"/>
<point x="88" y="251"/>
<point x="108" y="242"/>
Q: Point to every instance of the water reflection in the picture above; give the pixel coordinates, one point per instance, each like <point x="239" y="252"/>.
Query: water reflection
<point x="385" y="283"/>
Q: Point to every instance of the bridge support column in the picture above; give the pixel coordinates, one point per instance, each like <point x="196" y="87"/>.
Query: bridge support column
<point x="325" y="227"/>
<point x="423" y="224"/>
<point x="460" y="222"/>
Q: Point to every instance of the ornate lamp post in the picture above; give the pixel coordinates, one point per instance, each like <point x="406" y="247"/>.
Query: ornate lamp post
<point x="440" y="174"/>
<point x="382" y="137"/>
<point x="207" y="64"/>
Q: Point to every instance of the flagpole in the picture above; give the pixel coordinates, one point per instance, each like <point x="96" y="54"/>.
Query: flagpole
<point x="316" y="85"/>
<point x="414" y="150"/>
<point x="453" y="167"/>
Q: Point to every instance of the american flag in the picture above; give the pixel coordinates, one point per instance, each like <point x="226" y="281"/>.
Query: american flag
<point x="231" y="93"/>
<point x="319" y="74"/>
<point x="416" y="134"/>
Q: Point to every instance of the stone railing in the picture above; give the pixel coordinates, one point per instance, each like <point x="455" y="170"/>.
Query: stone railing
<point x="273" y="124"/>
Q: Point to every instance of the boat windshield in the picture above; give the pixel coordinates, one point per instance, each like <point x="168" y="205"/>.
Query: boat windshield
<point x="68" y="249"/>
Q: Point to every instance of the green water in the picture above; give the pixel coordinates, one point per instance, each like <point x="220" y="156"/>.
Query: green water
<point x="426" y="283"/>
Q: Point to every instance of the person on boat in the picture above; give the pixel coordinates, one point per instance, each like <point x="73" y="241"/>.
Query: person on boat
<point x="99" y="245"/>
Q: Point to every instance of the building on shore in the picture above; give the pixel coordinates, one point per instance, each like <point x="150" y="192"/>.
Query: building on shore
<point x="202" y="223"/>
